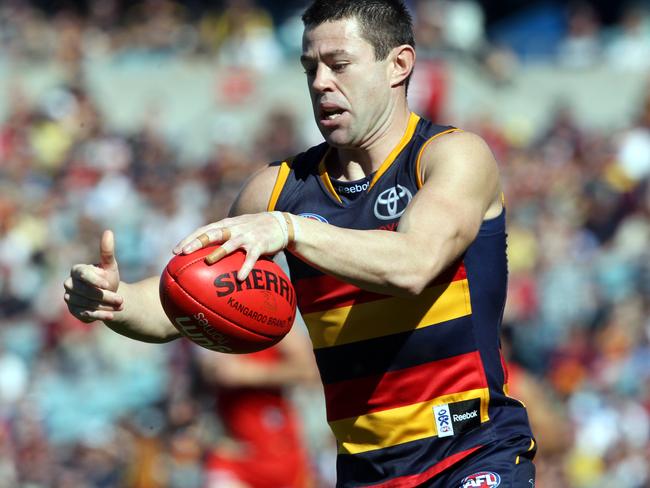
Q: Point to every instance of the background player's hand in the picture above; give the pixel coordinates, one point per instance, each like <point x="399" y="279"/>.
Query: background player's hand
<point x="257" y="234"/>
<point x="90" y="289"/>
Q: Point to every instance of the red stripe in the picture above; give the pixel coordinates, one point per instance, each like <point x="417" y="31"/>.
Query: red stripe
<point x="415" y="479"/>
<point x="403" y="387"/>
<point x="324" y="292"/>
<point x="504" y="366"/>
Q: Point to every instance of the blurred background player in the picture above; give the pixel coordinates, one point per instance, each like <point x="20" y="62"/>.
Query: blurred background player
<point x="264" y="444"/>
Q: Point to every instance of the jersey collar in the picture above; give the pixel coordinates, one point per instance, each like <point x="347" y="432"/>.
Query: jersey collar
<point x="390" y="159"/>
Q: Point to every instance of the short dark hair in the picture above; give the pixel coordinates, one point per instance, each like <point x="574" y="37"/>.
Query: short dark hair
<point x="385" y="24"/>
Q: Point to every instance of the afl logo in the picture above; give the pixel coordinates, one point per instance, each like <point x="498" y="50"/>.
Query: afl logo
<point x="314" y="216"/>
<point x="483" y="479"/>
<point x="392" y="203"/>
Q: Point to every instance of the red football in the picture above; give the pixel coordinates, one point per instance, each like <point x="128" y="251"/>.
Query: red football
<point x="211" y="307"/>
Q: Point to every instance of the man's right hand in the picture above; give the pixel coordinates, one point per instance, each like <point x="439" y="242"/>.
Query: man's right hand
<point x="90" y="291"/>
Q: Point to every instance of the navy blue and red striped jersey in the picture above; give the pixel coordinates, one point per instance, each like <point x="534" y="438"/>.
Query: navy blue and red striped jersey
<point x="412" y="384"/>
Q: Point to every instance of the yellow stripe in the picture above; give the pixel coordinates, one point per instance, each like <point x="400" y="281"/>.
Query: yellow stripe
<point x="398" y="425"/>
<point x="506" y="390"/>
<point x="281" y="179"/>
<point x="325" y="177"/>
<point x="406" y="138"/>
<point x="530" y="448"/>
<point x="418" y="172"/>
<point x="389" y="315"/>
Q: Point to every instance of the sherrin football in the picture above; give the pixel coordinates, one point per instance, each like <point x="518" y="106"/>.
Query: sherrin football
<point x="211" y="307"/>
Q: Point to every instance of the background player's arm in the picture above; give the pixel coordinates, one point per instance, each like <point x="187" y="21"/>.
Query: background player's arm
<point x="95" y="292"/>
<point x="296" y="366"/>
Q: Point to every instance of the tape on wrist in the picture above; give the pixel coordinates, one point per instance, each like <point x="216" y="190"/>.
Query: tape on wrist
<point x="280" y="218"/>
<point x="293" y="226"/>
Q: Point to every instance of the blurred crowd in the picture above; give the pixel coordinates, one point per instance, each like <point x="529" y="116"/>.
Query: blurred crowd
<point x="259" y="35"/>
<point x="83" y="407"/>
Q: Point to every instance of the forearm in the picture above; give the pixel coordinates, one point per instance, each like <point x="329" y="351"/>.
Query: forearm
<point x="395" y="263"/>
<point x="142" y="317"/>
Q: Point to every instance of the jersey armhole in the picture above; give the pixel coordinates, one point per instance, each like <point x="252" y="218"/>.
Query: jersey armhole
<point x="280" y="180"/>
<point x="418" y="172"/>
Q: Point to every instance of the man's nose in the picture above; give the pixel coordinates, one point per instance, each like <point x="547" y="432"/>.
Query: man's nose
<point x="322" y="81"/>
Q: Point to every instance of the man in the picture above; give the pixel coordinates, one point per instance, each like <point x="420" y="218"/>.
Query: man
<point x="395" y="232"/>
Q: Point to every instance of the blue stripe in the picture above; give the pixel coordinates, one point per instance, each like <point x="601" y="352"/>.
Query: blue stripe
<point x="406" y="459"/>
<point x="486" y="267"/>
<point x="396" y="351"/>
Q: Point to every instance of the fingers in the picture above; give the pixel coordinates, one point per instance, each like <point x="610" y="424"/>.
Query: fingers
<point x="222" y="251"/>
<point x="249" y="264"/>
<point x="107" y="250"/>
<point x="90" y="315"/>
<point x="86" y="294"/>
<point x="92" y="275"/>
<point x="256" y="234"/>
<point x="202" y="238"/>
<point x="82" y="302"/>
<point x="81" y="289"/>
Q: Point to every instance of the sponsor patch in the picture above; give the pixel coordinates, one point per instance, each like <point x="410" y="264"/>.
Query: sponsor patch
<point x="351" y="189"/>
<point x="482" y="479"/>
<point x="391" y="203"/>
<point x="442" y="416"/>
<point x="457" y="417"/>
<point x="465" y="415"/>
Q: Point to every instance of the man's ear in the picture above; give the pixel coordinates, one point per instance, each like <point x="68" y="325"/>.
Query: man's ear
<point x="402" y="61"/>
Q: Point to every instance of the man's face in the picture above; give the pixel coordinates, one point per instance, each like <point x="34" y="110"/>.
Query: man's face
<point x="350" y="90"/>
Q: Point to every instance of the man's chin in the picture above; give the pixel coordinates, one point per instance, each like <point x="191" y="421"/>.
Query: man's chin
<point x="336" y="138"/>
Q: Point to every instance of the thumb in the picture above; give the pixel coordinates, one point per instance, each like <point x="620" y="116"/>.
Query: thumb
<point x="107" y="250"/>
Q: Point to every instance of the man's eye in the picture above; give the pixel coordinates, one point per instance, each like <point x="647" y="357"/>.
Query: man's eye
<point x="310" y="71"/>
<point x="338" y="67"/>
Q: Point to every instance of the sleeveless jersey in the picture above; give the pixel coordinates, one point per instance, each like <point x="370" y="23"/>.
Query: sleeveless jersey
<point x="412" y="385"/>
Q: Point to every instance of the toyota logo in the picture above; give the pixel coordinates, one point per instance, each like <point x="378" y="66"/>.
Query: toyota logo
<point x="392" y="203"/>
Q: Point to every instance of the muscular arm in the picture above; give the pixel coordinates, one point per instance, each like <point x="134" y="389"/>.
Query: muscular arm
<point x="460" y="189"/>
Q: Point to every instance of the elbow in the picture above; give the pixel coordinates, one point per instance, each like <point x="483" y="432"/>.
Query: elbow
<point x="409" y="284"/>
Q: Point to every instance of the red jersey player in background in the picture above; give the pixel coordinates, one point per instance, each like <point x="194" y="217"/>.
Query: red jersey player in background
<point x="263" y="447"/>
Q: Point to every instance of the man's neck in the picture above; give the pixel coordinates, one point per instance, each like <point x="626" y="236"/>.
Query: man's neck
<point x="349" y="164"/>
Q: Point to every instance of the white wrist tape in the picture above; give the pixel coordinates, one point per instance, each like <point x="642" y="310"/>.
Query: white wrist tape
<point x="292" y="226"/>
<point x="279" y="217"/>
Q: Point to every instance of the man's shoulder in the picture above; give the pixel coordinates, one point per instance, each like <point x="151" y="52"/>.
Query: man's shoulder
<point x="305" y="162"/>
<point x="428" y="129"/>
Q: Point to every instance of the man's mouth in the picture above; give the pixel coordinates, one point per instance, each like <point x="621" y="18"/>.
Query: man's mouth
<point x="330" y="112"/>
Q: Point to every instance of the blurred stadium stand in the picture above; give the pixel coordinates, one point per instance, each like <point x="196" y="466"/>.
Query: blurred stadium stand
<point x="147" y="116"/>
